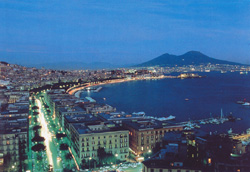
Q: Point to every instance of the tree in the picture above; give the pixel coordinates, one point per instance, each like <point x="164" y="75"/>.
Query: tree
<point x="83" y="164"/>
<point x="110" y="158"/>
<point x="60" y="135"/>
<point x="35" y="113"/>
<point x="104" y="157"/>
<point x="35" y="107"/>
<point x="101" y="154"/>
<point x="64" y="146"/>
<point x="36" y="127"/>
<point x="37" y="138"/>
<point x="38" y="147"/>
<point x="39" y="157"/>
<point x="68" y="157"/>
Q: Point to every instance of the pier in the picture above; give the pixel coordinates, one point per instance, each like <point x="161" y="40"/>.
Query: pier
<point x="98" y="89"/>
<point x="242" y="137"/>
<point x="195" y="123"/>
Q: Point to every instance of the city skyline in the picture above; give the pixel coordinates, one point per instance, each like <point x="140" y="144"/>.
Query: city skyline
<point x="122" y="32"/>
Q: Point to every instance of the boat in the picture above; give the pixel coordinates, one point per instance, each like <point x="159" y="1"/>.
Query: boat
<point x="240" y="102"/>
<point x="187" y="128"/>
<point x="97" y="89"/>
<point x="231" y="118"/>
<point x="202" y="122"/>
<point x="139" y="113"/>
<point x="186" y="99"/>
<point x="230" y="131"/>
<point x="197" y="126"/>
<point x="246" y="104"/>
<point x="170" y="117"/>
<point x="243" y="72"/>
<point x="190" y="125"/>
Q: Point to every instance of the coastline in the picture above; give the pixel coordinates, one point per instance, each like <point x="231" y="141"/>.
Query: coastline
<point x="169" y="97"/>
<point x="73" y="90"/>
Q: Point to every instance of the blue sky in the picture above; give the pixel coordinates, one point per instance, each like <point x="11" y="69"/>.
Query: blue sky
<point x="122" y="32"/>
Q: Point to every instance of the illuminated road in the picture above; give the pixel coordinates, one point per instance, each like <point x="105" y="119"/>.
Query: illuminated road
<point x="58" y="157"/>
<point x="45" y="133"/>
<point x="51" y="147"/>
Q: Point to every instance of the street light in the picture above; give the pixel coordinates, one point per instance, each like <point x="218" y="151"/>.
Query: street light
<point x="89" y="161"/>
<point x="116" y="155"/>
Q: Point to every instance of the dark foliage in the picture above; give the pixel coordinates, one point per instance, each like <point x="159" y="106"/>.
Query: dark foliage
<point x="38" y="147"/>
<point x="64" y="146"/>
<point x="35" y="107"/>
<point x="37" y="127"/>
<point x="37" y="138"/>
<point x="60" y="135"/>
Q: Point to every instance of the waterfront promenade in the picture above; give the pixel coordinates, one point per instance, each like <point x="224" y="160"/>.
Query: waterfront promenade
<point x="75" y="89"/>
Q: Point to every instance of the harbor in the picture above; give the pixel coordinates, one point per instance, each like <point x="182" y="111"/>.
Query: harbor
<point x="191" y="124"/>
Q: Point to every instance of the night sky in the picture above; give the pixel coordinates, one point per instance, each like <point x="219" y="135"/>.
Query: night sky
<point x="122" y="32"/>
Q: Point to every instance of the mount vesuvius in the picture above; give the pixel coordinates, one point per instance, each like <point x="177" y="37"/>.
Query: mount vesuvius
<point x="189" y="58"/>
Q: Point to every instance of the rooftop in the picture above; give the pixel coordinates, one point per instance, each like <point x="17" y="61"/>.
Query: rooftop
<point x="72" y="109"/>
<point x="147" y="124"/>
<point x="92" y="125"/>
<point x="82" y="118"/>
<point x="119" y="116"/>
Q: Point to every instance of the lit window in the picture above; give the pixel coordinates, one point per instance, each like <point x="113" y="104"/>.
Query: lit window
<point x="7" y="142"/>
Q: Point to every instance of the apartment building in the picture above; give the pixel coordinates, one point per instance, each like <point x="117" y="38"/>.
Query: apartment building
<point x="145" y="133"/>
<point x="14" y="127"/>
<point x="88" y="133"/>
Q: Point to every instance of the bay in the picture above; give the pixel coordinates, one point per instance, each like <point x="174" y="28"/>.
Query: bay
<point x="206" y="97"/>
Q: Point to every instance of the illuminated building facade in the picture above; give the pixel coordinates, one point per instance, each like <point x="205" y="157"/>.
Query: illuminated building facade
<point x="87" y="133"/>
<point x="145" y="133"/>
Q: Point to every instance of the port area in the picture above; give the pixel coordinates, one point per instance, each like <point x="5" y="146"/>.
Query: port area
<point x="213" y="120"/>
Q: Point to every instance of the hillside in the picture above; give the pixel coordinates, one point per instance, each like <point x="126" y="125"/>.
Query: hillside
<point x="189" y="58"/>
<point x="74" y="65"/>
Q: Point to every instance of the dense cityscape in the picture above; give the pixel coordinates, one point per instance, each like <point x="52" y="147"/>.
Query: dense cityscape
<point x="46" y="126"/>
<point x="125" y="86"/>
